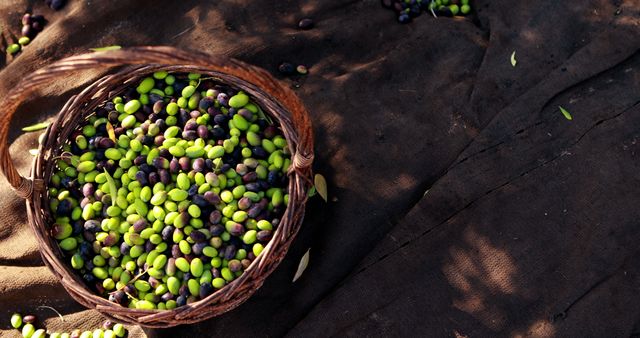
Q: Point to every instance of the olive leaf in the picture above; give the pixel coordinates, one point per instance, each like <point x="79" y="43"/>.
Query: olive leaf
<point x="112" y="187"/>
<point x="312" y="192"/>
<point x="37" y="126"/>
<point x="262" y="115"/>
<point x="111" y="132"/>
<point x="304" y="261"/>
<point x="106" y="48"/>
<point x="218" y="165"/>
<point x="54" y="310"/>
<point x="33" y="152"/>
<point x="321" y="186"/>
<point x="566" y="113"/>
<point x="513" y="59"/>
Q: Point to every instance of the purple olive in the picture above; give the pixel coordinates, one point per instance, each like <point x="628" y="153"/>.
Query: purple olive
<point x="174" y="166"/>
<point x="203" y="132"/>
<point x="161" y="163"/>
<point x="205" y="290"/>
<point x="307" y="23"/>
<point x="158" y="140"/>
<point x="106" y="143"/>
<point x="197" y="236"/>
<point x="254" y="211"/>
<point x="196" y="249"/>
<point x="140" y="225"/>
<point x="189" y="135"/>
<point x="223" y="99"/>
<point x="220" y="119"/>
<point x="142" y="178"/>
<point x="190" y="125"/>
<point x="264" y="236"/>
<point x="286" y="68"/>
<point x="215" y="218"/>
<point x="153" y="178"/>
<point x="198" y="165"/>
<point x="37" y="26"/>
<point x="140" y="159"/>
<point x="166" y="297"/>
<point x="246" y="113"/>
<point x="185" y="163"/>
<point x="199" y="201"/>
<point x="57" y="5"/>
<point x="26" y="19"/>
<point x="124" y="248"/>
<point x="27" y="31"/>
<point x="165" y="153"/>
<point x="236" y="229"/>
<point x="250" y="177"/>
<point x="165" y="176"/>
<point x="244" y="203"/>
<point x="235" y="265"/>
<point x="158" y="107"/>
<point x="212" y="198"/>
<point x="230" y="252"/>
<point x="270" y="132"/>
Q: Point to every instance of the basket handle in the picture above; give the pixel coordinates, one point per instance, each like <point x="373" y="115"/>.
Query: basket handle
<point x="24" y="187"/>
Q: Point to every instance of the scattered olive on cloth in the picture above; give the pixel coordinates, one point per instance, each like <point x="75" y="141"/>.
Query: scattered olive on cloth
<point x="287" y="68"/>
<point x="306" y="23"/>
<point x="29" y="330"/>
<point x="169" y="191"/>
<point x="55" y="4"/>
<point x="408" y="9"/>
<point x="31" y="26"/>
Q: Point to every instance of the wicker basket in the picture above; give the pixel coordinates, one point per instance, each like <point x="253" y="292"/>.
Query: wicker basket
<point x="275" y="98"/>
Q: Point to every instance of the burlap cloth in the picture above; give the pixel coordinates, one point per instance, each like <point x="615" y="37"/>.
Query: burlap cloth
<point x="463" y="203"/>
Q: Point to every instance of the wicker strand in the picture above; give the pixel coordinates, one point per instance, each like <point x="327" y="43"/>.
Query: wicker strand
<point x="301" y="161"/>
<point x="25" y="189"/>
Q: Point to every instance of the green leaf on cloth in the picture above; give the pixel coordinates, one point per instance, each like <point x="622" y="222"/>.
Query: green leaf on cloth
<point x="37" y="126"/>
<point x="104" y="49"/>
<point x="566" y="114"/>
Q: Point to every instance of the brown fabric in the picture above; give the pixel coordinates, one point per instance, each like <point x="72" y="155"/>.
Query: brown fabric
<point x="463" y="202"/>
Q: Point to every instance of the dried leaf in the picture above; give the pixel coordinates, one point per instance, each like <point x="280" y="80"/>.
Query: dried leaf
<point x="33" y="152"/>
<point x="37" y="126"/>
<point x="304" y="261"/>
<point x="112" y="187"/>
<point x="54" y="310"/>
<point x="111" y="132"/>
<point x="321" y="186"/>
<point x="513" y="59"/>
<point x="566" y="113"/>
<point x="104" y="49"/>
<point x="311" y="192"/>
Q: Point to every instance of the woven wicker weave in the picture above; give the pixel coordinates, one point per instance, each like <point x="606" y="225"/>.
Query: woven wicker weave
<point x="277" y="100"/>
